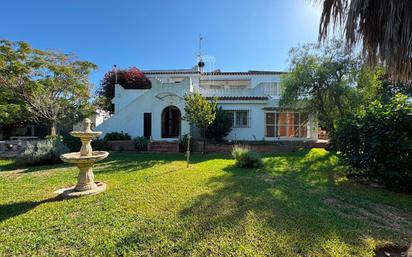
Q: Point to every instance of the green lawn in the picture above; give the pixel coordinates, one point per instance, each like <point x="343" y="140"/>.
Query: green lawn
<point x="298" y="205"/>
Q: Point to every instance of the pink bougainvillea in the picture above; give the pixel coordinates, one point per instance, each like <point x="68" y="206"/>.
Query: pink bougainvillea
<point x="131" y="78"/>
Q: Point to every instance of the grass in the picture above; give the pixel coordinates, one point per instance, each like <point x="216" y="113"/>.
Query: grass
<point x="297" y="205"/>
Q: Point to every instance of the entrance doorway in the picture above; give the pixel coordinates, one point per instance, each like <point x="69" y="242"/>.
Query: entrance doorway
<point x="171" y="119"/>
<point x="147" y="124"/>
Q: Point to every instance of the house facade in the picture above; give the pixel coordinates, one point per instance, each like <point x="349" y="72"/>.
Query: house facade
<point x="251" y="98"/>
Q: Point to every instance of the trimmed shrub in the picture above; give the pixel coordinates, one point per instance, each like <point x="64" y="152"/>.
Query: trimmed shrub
<point x="245" y="158"/>
<point x="140" y="143"/>
<point x="377" y="142"/>
<point x="116" y="136"/>
<point x="73" y="143"/>
<point x="99" y="145"/>
<point x="42" y="152"/>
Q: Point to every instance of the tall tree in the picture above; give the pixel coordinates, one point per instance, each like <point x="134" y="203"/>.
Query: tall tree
<point x="200" y="112"/>
<point x="53" y="86"/>
<point x="383" y="29"/>
<point x="321" y="81"/>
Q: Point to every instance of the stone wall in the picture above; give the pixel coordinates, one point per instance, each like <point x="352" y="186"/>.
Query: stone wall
<point x="278" y="147"/>
<point x="126" y="145"/>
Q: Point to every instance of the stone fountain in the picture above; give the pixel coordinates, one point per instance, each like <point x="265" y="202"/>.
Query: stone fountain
<point x="84" y="160"/>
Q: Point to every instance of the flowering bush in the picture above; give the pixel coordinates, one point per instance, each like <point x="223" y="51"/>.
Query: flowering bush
<point x="131" y="78"/>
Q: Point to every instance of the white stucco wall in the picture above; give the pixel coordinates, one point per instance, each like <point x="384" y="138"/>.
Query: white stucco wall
<point x="256" y="129"/>
<point x="129" y="118"/>
<point x="131" y="104"/>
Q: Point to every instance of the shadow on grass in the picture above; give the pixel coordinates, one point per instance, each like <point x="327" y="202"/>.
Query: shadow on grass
<point x="287" y="206"/>
<point x="128" y="162"/>
<point x="132" y="161"/>
<point x="25" y="168"/>
<point x="15" y="209"/>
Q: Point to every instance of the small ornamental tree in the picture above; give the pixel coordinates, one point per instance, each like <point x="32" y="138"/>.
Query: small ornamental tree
<point x="220" y="127"/>
<point x="200" y="112"/>
<point x="131" y="78"/>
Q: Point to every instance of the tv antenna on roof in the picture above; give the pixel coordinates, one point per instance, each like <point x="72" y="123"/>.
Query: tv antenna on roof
<point x="200" y="44"/>
<point x="200" y="63"/>
<point x="115" y="74"/>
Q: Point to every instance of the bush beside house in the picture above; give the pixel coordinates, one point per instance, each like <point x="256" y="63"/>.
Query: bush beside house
<point x="117" y="136"/>
<point x="220" y="127"/>
<point x="377" y="142"/>
<point x="140" y="143"/>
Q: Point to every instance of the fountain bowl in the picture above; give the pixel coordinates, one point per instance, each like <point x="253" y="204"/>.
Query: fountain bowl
<point x="77" y="158"/>
<point x="84" y="134"/>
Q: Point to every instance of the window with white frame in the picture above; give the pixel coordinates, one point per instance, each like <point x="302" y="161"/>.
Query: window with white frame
<point x="240" y="118"/>
<point x="272" y="88"/>
<point x="286" y="124"/>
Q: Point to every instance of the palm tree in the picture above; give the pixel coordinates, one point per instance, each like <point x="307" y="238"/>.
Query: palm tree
<point x="383" y="29"/>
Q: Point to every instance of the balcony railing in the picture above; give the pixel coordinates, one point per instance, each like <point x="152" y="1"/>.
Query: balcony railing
<point x="262" y="89"/>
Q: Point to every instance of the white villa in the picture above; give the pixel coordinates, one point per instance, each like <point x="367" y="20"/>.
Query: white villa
<point x="251" y="98"/>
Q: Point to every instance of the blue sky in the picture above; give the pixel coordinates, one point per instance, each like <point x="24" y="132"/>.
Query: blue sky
<point x="240" y="35"/>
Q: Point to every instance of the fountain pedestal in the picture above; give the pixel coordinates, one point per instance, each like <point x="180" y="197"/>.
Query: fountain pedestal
<point x="84" y="160"/>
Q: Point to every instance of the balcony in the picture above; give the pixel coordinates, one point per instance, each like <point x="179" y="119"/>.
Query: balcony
<point x="264" y="89"/>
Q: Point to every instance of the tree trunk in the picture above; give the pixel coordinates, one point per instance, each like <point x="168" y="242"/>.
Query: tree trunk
<point x="53" y="130"/>
<point x="204" y="141"/>
<point x="188" y="151"/>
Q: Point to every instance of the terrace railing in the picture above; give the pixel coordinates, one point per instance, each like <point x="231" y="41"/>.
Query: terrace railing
<point x="262" y="89"/>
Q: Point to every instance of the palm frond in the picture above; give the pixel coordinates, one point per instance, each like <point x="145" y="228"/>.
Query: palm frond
<point x="383" y="28"/>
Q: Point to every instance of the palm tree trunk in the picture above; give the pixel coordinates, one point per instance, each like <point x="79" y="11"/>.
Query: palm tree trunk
<point x="53" y="130"/>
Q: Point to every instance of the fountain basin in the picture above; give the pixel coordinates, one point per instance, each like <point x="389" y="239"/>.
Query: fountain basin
<point x="84" y="161"/>
<point x="84" y="134"/>
<point x="72" y="192"/>
<point x="77" y="158"/>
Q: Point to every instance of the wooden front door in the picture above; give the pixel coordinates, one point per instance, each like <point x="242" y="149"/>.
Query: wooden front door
<point x="147" y="124"/>
<point x="171" y="119"/>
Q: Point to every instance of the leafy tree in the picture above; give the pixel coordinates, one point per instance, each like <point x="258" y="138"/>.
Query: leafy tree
<point x="376" y="85"/>
<point x="131" y="78"/>
<point x="12" y="108"/>
<point x="200" y="112"/>
<point x="377" y="141"/>
<point x="53" y="86"/>
<point x="321" y="81"/>
<point x="220" y="127"/>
